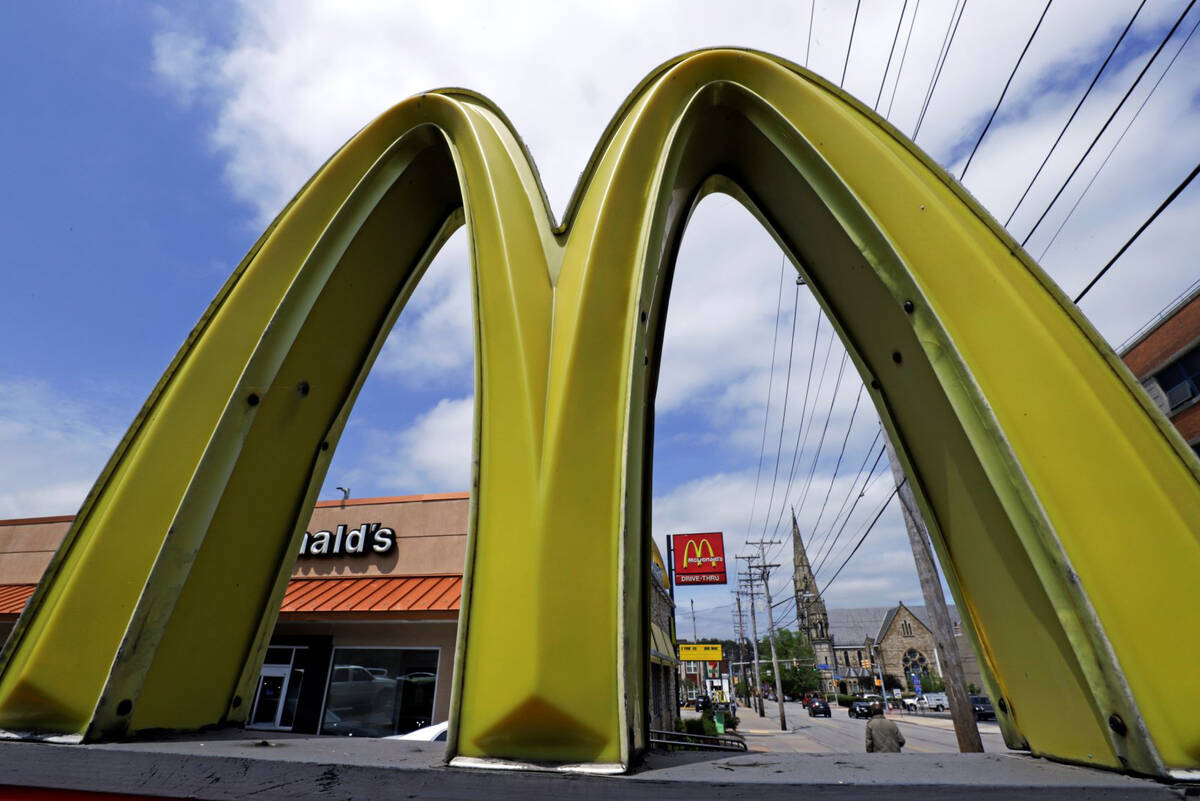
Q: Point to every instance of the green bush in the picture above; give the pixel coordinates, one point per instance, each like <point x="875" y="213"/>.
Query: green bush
<point x="709" y="724"/>
<point x="846" y="700"/>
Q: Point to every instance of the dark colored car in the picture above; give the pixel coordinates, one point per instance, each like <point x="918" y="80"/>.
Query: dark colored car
<point x="818" y="707"/>
<point x="982" y="706"/>
<point x="703" y="702"/>
<point x="860" y="709"/>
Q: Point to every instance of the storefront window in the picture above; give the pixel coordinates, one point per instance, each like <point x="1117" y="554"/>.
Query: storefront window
<point x="377" y="692"/>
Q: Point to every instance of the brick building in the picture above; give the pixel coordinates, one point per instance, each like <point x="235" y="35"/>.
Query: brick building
<point x="1165" y="357"/>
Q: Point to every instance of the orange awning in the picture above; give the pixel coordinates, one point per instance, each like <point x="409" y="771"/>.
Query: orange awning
<point x="390" y="594"/>
<point x="305" y="597"/>
<point x="13" y="597"/>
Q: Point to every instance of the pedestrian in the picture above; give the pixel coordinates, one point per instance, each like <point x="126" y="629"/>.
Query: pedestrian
<point x="883" y="736"/>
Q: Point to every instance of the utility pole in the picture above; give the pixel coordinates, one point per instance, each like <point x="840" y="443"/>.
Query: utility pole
<point x="754" y="630"/>
<point x="741" y="632"/>
<point x="961" y="711"/>
<point x="766" y="576"/>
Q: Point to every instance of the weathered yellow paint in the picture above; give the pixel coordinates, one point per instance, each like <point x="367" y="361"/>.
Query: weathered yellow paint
<point x="1048" y="479"/>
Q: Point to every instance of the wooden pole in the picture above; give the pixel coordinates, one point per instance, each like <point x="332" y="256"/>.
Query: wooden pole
<point x="961" y="710"/>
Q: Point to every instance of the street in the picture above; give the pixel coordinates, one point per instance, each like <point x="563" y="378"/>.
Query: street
<point x="930" y="733"/>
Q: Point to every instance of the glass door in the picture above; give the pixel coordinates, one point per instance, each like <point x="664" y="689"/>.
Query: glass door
<point x="268" y="701"/>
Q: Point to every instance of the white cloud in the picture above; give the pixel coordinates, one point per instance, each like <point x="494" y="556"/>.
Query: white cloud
<point x="434" y="339"/>
<point x="431" y="455"/>
<point x="53" y="449"/>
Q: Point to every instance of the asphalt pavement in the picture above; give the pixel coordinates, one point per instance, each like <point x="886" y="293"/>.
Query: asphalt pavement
<point x="928" y="733"/>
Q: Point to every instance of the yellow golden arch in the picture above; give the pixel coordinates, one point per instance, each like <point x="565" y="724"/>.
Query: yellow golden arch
<point x="1064" y="508"/>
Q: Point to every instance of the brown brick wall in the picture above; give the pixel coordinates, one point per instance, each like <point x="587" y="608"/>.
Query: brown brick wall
<point x="1166" y="342"/>
<point x="1188" y="422"/>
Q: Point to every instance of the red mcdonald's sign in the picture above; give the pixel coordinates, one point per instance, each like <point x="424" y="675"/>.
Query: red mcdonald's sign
<point x="699" y="558"/>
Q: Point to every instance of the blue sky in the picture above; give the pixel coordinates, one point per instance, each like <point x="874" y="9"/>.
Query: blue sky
<point x="150" y="144"/>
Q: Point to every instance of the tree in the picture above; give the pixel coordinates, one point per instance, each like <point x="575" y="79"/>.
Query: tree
<point x="796" y="661"/>
<point x="933" y="683"/>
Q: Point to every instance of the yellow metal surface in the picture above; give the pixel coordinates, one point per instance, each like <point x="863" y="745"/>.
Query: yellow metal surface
<point x="1064" y="508"/>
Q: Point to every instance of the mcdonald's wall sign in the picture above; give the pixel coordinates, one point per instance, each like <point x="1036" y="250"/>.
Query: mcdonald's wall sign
<point x="699" y="558"/>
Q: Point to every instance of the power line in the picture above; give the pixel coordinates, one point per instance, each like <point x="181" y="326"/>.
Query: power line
<point x="806" y="425"/>
<point x="1078" y="106"/>
<point x="892" y="52"/>
<point x="849" y="492"/>
<point x="1107" y="122"/>
<point x="783" y="415"/>
<point x="943" y="57"/>
<point x="762" y="448"/>
<point x="1117" y="143"/>
<point x="812" y="12"/>
<point x="903" y="58"/>
<point x="863" y="538"/>
<point x="837" y="466"/>
<point x="803" y="427"/>
<point x="850" y="44"/>
<point x="832" y="544"/>
<point x="1170" y="198"/>
<point x="824" y="430"/>
<point x="1007" y="84"/>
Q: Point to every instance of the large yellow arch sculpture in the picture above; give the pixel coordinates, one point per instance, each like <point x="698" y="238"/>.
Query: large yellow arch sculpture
<point x="1065" y="510"/>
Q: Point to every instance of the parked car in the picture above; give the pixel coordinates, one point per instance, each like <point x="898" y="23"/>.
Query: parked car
<point x="429" y="734"/>
<point x="982" y="706"/>
<point x="703" y="702"/>
<point x="818" y="707"/>
<point x="354" y="687"/>
<point x="859" y="709"/>
<point x="937" y="701"/>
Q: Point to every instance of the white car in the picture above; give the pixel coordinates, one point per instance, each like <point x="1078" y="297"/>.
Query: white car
<point x="936" y="701"/>
<point x="430" y="734"/>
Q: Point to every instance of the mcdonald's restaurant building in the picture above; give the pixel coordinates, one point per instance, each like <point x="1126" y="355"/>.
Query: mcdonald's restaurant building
<point x="364" y="643"/>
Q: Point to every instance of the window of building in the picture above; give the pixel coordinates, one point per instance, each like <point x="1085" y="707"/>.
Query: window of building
<point x="1181" y="379"/>
<point x="377" y="692"/>
<point x="906" y="628"/>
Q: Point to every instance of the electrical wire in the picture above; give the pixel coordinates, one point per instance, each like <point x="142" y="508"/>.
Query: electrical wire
<point x="850" y="44"/>
<point x="892" y="52"/>
<point x="1170" y="199"/>
<point x="806" y="425"/>
<point x="812" y="12"/>
<point x="1117" y="143"/>
<point x="824" y="430"/>
<point x="903" y="58"/>
<point x="850" y="491"/>
<point x="783" y="415"/>
<point x="1004" y="92"/>
<point x="803" y="427"/>
<point x="863" y="538"/>
<point x="837" y="466"/>
<point x="828" y="551"/>
<point x="762" y="449"/>
<point x="1107" y="122"/>
<point x="1078" y="106"/>
<point x="943" y="56"/>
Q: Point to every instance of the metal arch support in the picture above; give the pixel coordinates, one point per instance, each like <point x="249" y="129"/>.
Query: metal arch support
<point x="1038" y="462"/>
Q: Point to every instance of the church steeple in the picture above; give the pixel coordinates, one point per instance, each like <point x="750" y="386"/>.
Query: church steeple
<point x="810" y="607"/>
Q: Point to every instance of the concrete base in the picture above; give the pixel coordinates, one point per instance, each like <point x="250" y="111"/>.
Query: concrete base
<point x="288" y="768"/>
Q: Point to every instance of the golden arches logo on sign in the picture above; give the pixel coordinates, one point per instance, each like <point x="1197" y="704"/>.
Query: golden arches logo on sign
<point x="699" y="558"/>
<point x="694" y="553"/>
<point x="1028" y="445"/>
